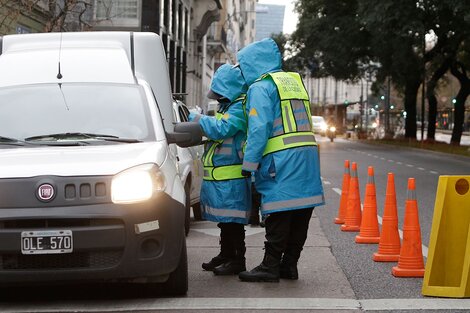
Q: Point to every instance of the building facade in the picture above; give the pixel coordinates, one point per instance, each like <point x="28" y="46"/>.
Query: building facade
<point x="198" y="35"/>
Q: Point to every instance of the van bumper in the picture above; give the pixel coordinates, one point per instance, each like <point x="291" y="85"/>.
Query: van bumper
<point x="111" y="242"/>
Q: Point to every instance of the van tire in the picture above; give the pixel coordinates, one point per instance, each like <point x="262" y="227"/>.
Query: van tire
<point x="197" y="211"/>
<point x="187" y="213"/>
<point x="177" y="283"/>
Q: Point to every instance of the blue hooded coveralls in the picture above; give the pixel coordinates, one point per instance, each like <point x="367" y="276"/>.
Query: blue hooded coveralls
<point x="226" y="200"/>
<point x="288" y="180"/>
<point x="225" y="193"/>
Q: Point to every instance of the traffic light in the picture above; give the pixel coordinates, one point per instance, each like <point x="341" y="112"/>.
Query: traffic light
<point x="382" y="97"/>
<point x="346" y="102"/>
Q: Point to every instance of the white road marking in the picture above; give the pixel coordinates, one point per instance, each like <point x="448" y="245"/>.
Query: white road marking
<point x="433" y="172"/>
<point x="337" y="190"/>
<point x="420" y="168"/>
<point x="409" y="165"/>
<point x="326" y="182"/>
<point x="390" y="161"/>
<point x="382" y="158"/>
<point x="422" y="304"/>
<point x="399" y="163"/>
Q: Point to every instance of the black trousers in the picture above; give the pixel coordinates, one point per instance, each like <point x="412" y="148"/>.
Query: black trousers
<point x="286" y="233"/>
<point x="232" y="239"/>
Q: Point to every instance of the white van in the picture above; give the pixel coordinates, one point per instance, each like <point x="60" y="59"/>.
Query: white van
<point x="190" y="169"/>
<point x="89" y="188"/>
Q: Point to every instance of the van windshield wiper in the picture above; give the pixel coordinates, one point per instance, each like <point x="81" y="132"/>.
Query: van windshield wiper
<point x="80" y="136"/>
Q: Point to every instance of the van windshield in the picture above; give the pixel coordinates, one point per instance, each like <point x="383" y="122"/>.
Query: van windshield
<point x="112" y="110"/>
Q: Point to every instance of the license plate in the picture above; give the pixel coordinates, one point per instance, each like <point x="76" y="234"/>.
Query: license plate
<point x="46" y="242"/>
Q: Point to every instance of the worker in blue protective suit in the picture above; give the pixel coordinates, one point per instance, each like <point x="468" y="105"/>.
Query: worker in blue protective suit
<point x="282" y="153"/>
<point x="225" y="193"/>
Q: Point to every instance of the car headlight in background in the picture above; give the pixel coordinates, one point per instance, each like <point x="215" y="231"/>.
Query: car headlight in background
<point x="374" y="125"/>
<point x="323" y="126"/>
<point x="332" y="129"/>
<point x="137" y="184"/>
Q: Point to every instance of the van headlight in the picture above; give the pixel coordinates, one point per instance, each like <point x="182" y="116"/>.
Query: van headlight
<point x="137" y="184"/>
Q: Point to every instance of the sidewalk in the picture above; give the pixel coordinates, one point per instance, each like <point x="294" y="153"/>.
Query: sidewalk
<point x="320" y="276"/>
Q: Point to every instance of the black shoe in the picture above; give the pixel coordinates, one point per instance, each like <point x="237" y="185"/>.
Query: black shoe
<point x="288" y="271"/>
<point x="216" y="261"/>
<point x="231" y="267"/>
<point x="261" y="273"/>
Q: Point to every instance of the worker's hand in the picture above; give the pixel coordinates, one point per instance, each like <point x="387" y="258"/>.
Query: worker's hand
<point x="246" y="173"/>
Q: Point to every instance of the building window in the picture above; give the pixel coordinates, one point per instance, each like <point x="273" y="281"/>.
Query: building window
<point x="120" y="13"/>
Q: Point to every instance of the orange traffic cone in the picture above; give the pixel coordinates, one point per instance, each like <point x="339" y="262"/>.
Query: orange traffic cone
<point x="352" y="221"/>
<point x="343" y="203"/>
<point x="410" y="262"/>
<point x="369" y="225"/>
<point x="389" y="243"/>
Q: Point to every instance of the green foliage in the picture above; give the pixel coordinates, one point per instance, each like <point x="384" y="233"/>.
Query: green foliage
<point x="346" y="39"/>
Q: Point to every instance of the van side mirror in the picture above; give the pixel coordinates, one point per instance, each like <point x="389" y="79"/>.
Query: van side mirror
<point x="186" y="134"/>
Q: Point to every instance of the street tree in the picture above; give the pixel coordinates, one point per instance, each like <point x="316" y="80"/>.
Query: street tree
<point x="448" y="22"/>
<point x="329" y="38"/>
<point x="53" y="15"/>
<point x="342" y="38"/>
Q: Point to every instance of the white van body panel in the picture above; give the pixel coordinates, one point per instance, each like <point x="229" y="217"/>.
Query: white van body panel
<point x="89" y="57"/>
<point x="78" y="160"/>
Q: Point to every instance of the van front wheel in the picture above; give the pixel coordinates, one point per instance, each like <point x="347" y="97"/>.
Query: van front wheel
<point x="177" y="283"/>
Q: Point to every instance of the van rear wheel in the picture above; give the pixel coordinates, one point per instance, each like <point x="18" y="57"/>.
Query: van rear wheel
<point x="197" y="211"/>
<point x="187" y="214"/>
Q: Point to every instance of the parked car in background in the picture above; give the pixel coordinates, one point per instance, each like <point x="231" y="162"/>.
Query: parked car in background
<point x="319" y="125"/>
<point x="190" y="168"/>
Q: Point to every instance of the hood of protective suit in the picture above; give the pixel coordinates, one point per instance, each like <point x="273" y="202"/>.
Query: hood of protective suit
<point x="228" y="82"/>
<point x="259" y="58"/>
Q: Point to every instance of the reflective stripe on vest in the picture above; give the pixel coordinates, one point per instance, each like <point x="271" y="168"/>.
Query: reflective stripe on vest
<point x="223" y="172"/>
<point x="288" y="141"/>
<point x="293" y="96"/>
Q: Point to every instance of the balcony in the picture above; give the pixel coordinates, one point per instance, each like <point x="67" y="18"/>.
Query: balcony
<point x="217" y="39"/>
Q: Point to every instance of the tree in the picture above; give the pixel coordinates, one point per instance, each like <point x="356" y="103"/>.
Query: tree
<point x="329" y="38"/>
<point x="449" y="22"/>
<point x="54" y="15"/>
<point x="343" y="37"/>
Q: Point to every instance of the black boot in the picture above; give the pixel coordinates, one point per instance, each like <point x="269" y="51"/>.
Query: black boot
<point x="267" y="271"/>
<point x="216" y="261"/>
<point x="231" y="267"/>
<point x="226" y="250"/>
<point x="236" y="263"/>
<point x="288" y="268"/>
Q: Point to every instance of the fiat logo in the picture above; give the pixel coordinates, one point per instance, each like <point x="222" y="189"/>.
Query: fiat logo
<point x="46" y="192"/>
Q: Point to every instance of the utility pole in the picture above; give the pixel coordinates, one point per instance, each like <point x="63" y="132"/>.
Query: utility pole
<point x="362" y="99"/>
<point x="387" y="108"/>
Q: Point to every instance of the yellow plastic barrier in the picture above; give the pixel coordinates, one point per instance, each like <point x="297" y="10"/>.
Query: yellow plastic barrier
<point x="448" y="264"/>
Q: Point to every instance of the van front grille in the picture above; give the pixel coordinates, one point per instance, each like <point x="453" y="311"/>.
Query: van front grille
<point x="76" y="260"/>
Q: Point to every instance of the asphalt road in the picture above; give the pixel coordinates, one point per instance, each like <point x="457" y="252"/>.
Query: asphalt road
<point x="336" y="274"/>
<point x="373" y="279"/>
